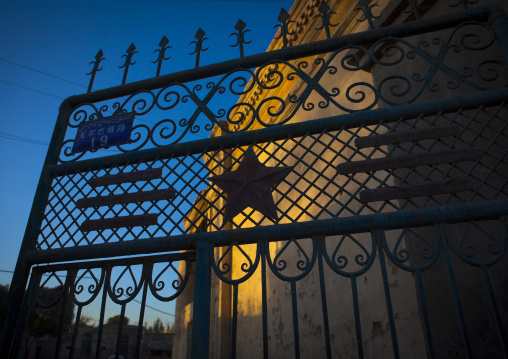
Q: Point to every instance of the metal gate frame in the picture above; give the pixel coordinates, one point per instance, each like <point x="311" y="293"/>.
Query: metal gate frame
<point x="202" y="242"/>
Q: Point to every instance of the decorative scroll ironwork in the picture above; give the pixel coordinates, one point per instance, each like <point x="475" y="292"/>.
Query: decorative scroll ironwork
<point x="160" y="54"/>
<point x="313" y="189"/>
<point x="284" y="27"/>
<point x="131" y="50"/>
<point x="240" y="36"/>
<point x="95" y="69"/>
<point x="200" y="38"/>
<point x="325" y="15"/>
<point x="366" y="8"/>
<point x="316" y="93"/>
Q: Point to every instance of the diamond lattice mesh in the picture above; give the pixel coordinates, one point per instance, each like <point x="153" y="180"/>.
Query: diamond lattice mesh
<point x="312" y="190"/>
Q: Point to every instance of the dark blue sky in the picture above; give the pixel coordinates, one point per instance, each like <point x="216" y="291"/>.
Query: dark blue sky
<point x="60" y="38"/>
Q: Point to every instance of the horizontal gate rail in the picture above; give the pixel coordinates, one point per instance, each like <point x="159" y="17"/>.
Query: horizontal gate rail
<point x="356" y="224"/>
<point x="334" y="123"/>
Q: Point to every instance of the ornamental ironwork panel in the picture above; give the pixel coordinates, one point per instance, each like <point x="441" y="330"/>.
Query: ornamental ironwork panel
<point x="312" y="166"/>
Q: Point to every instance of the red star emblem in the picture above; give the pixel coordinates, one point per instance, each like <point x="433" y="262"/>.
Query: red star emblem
<point x="250" y="186"/>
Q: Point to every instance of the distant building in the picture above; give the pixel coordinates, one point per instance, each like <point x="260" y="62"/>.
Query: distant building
<point x="153" y="345"/>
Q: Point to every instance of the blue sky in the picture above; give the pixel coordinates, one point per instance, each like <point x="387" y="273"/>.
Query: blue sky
<point x="61" y="38"/>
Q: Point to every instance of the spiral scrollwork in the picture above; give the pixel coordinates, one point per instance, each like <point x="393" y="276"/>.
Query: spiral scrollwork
<point x="260" y="101"/>
<point x="340" y="262"/>
<point x="303" y="265"/>
<point x="46" y="299"/>
<point x="224" y="270"/>
<point x="85" y="284"/>
<point x="423" y="255"/>
<point x="487" y="252"/>
<point x="125" y="287"/>
<point x="157" y="284"/>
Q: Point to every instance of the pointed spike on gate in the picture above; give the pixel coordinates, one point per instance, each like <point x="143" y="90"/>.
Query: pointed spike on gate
<point x="99" y="55"/>
<point x="324" y="7"/>
<point x="283" y="15"/>
<point x="240" y="25"/>
<point x="131" y="48"/>
<point x="199" y="34"/>
<point x="164" y="41"/>
<point x="364" y="3"/>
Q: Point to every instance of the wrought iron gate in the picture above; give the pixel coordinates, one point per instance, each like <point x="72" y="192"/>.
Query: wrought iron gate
<point x="404" y="173"/>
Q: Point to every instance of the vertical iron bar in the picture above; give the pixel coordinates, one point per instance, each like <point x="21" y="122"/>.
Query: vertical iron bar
<point x="201" y="315"/>
<point x="264" y="248"/>
<point x="101" y="320"/>
<point x="22" y="269"/>
<point x="295" y="319"/>
<point x="378" y="236"/>
<point x="495" y="310"/>
<point x="320" y="244"/>
<point x="235" y="320"/>
<point x="458" y="306"/>
<point x="425" y="314"/>
<point x="358" y="323"/>
<point x="120" y="330"/>
<point x="500" y="23"/>
<point x="25" y="312"/>
<point x="75" y="332"/>
<point x="62" y="315"/>
<point x="141" y="317"/>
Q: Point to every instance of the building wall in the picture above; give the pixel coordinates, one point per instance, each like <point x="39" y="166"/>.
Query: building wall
<point x="373" y="314"/>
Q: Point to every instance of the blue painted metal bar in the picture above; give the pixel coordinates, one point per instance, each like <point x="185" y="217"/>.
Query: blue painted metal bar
<point x="75" y="332"/>
<point x="22" y="269"/>
<point x="320" y="243"/>
<point x="378" y="237"/>
<point x="264" y="249"/>
<point x="62" y="315"/>
<point x="25" y="311"/>
<point x="98" y="350"/>
<point x="334" y="226"/>
<point x="296" y="331"/>
<point x="441" y="232"/>
<point x="234" y="321"/>
<point x="495" y="311"/>
<point x="500" y="23"/>
<point x="201" y="315"/>
<point x="425" y="315"/>
<point x="141" y="316"/>
<point x="358" y="322"/>
<point x="119" y="332"/>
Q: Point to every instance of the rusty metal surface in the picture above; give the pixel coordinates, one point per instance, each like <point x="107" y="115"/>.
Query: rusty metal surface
<point x="407" y="136"/>
<point x="157" y="195"/>
<point x="117" y="222"/>
<point x="136" y="176"/>
<point x="412" y="160"/>
<point x="417" y="190"/>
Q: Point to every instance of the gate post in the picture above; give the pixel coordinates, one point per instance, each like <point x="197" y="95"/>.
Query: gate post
<point x="22" y="269"/>
<point x="201" y="310"/>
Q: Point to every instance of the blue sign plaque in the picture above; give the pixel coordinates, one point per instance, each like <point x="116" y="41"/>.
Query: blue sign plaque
<point x="103" y="133"/>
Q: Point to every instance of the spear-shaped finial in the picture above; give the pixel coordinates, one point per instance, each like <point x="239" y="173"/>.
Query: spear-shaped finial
<point x="465" y="3"/>
<point x="324" y="9"/>
<point x="200" y="38"/>
<point x="284" y="27"/>
<point x="98" y="59"/>
<point x="162" y="51"/>
<point x="366" y="8"/>
<point x="240" y="36"/>
<point x="416" y="8"/>
<point x="128" y="57"/>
